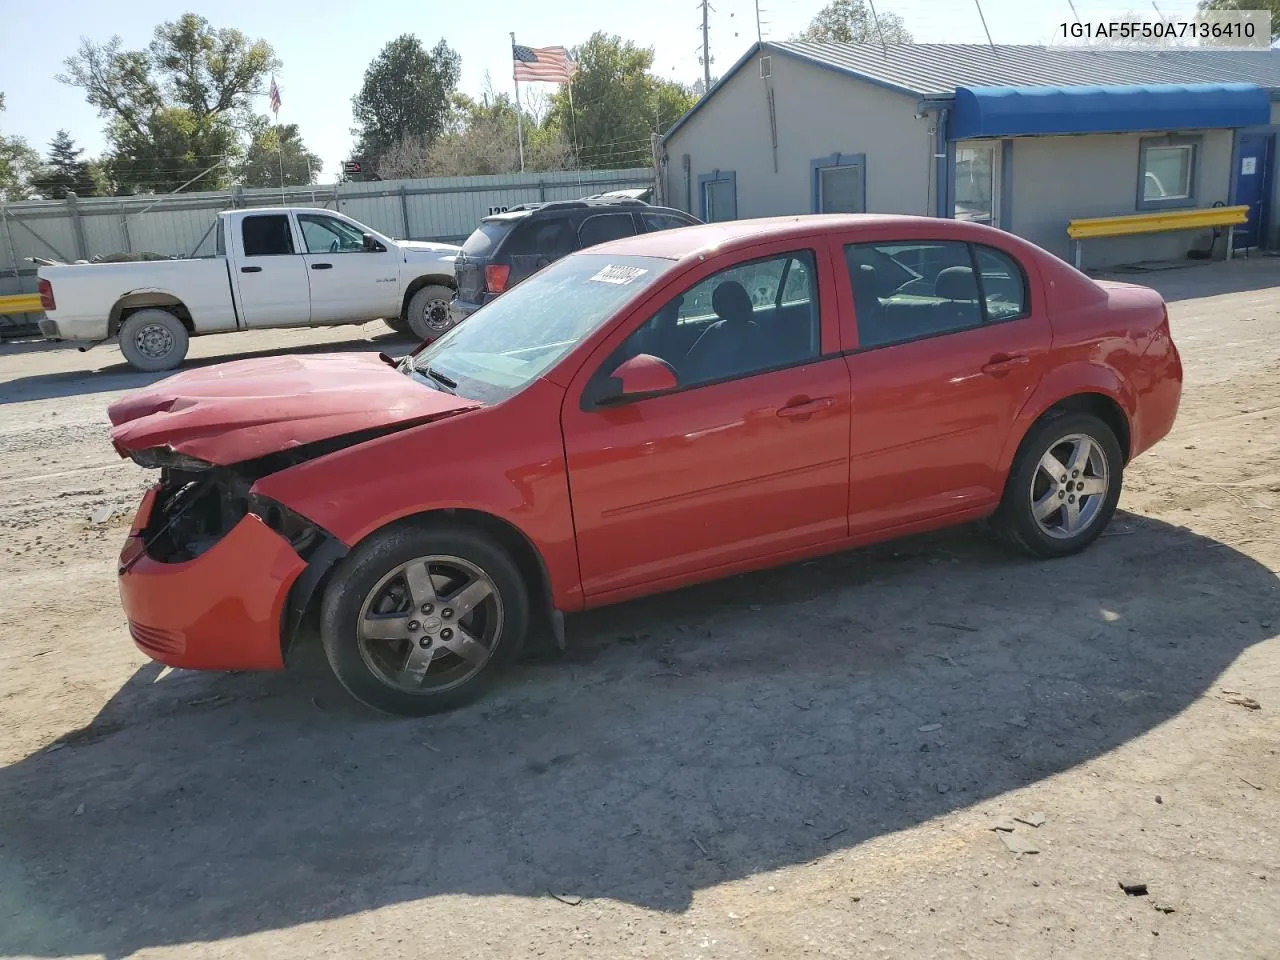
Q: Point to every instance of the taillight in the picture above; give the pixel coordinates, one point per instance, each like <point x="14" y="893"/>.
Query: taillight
<point x="46" y="295"/>
<point x="495" y="277"/>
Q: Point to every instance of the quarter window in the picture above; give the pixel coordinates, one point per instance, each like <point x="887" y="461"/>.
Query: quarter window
<point x="743" y="320"/>
<point x="1004" y="285"/>
<point x="266" y="235"/>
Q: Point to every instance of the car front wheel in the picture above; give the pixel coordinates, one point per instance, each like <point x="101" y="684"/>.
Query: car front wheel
<point x="1063" y="488"/>
<point x="420" y="619"/>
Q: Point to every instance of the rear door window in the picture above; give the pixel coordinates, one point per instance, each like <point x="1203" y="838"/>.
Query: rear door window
<point x="485" y="238"/>
<point x="266" y="235"/>
<point x="604" y="227"/>
<point x="662" y="221"/>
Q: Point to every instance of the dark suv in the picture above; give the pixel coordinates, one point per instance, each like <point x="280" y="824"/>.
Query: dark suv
<point x="508" y="247"/>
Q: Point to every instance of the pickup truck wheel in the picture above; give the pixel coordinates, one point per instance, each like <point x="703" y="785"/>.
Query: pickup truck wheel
<point x="428" y="313"/>
<point x="420" y="619"/>
<point x="153" y="340"/>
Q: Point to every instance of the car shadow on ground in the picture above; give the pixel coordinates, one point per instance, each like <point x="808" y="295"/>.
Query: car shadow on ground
<point x="118" y="375"/>
<point x="683" y="741"/>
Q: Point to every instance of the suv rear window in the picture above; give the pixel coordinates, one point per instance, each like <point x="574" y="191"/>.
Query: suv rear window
<point x="485" y="237"/>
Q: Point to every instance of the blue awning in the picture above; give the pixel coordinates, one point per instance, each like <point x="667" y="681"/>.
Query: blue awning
<point x="1031" y="111"/>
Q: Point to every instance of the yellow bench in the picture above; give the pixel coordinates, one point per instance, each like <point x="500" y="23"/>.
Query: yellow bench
<point x="1158" y="221"/>
<point x="20" y="303"/>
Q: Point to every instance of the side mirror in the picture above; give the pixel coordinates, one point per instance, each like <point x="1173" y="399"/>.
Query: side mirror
<point x="370" y="244"/>
<point x="644" y="375"/>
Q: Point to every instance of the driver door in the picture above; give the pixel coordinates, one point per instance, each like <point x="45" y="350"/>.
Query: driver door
<point x="348" y="283"/>
<point x="747" y="460"/>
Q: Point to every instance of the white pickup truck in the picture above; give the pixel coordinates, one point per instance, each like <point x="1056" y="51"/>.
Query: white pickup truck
<point x="272" y="267"/>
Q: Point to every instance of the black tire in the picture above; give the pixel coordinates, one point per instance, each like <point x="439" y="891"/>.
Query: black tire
<point x="399" y="325"/>
<point x="153" y="340"/>
<point x="1015" y="521"/>
<point x="428" y="312"/>
<point x="361" y="666"/>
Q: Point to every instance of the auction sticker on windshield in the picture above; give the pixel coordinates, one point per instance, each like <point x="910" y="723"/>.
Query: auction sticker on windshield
<point x="619" y="274"/>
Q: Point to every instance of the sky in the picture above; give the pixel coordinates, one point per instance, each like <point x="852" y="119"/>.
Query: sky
<point x="325" y="45"/>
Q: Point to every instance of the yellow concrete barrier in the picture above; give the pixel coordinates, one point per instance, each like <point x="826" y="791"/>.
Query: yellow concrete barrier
<point x="1158" y="221"/>
<point x="20" y="303"/>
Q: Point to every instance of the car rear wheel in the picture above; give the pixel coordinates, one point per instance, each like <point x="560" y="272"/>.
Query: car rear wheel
<point x="153" y="340"/>
<point x="428" y="312"/>
<point x="420" y="619"/>
<point x="1063" y="488"/>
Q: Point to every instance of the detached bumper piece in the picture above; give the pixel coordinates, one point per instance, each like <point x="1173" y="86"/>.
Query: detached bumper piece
<point x="221" y="609"/>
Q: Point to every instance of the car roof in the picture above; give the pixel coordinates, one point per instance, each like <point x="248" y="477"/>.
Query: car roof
<point x="603" y="202"/>
<point x="675" y="244"/>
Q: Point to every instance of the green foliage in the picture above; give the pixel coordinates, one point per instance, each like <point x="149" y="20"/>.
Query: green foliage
<point x="18" y="164"/>
<point x="179" y="106"/>
<point x="617" y="103"/>
<point x="65" y="171"/>
<point x="407" y="93"/>
<point x="851" y="21"/>
<point x="1272" y="5"/>
<point x="274" y="148"/>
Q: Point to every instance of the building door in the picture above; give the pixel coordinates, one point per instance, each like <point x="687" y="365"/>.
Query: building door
<point x="977" y="193"/>
<point x="1253" y="186"/>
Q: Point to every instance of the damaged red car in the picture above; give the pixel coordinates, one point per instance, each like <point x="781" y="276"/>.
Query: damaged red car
<point x="639" y="416"/>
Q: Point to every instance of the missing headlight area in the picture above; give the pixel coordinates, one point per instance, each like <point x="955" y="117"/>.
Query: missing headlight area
<point x="192" y="512"/>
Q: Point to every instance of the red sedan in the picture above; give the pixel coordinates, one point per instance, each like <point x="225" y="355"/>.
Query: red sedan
<point x="645" y="414"/>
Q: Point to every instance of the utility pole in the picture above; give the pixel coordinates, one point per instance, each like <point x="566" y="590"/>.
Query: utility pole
<point x="706" y="49"/>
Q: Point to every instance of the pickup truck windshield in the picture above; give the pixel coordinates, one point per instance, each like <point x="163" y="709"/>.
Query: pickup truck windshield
<point x="510" y="341"/>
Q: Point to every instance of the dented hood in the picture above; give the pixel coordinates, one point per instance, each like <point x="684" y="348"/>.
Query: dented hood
<point x="247" y="409"/>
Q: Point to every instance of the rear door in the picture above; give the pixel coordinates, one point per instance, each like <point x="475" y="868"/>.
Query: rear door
<point x="948" y="340"/>
<point x="347" y="281"/>
<point x="269" y="274"/>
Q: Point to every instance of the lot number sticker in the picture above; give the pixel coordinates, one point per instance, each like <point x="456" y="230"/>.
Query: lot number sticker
<point x="620" y="275"/>
<point x="1248" y="165"/>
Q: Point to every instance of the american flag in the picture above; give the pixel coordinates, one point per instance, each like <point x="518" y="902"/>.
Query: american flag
<point x="543" y="64"/>
<point x="275" y="97"/>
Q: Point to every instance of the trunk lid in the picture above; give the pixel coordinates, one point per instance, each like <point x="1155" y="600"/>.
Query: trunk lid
<point x="245" y="409"/>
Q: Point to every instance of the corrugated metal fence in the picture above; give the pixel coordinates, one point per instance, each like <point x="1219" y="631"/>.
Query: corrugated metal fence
<point x="439" y="208"/>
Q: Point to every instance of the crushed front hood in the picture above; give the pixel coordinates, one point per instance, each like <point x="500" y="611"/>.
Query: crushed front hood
<point x="245" y="409"/>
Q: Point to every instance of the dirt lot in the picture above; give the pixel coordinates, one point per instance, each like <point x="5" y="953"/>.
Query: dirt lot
<point x="808" y="762"/>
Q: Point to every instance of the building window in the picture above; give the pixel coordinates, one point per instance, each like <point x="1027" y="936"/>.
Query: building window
<point x="719" y="195"/>
<point x="1167" y="172"/>
<point x="977" y="182"/>
<point x="840" y="183"/>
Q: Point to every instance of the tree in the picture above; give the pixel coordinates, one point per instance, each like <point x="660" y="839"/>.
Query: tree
<point x="65" y="171"/>
<point x="480" y="139"/>
<point x="1272" y="5"/>
<point x="177" y="108"/>
<point x="276" y="148"/>
<point x="18" y="164"/>
<point x="851" y="21"/>
<point x="407" y="93"/>
<point x="617" y="103"/>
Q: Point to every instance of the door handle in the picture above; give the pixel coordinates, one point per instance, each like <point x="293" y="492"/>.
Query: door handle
<point x="1003" y="363"/>
<point x="250" y="269"/>
<point x="322" y="266"/>
<point x="805" y="408"/>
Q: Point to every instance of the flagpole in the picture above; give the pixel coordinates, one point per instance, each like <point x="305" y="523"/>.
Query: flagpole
<point x="573" y="127"/>
<point x="519" y="121"/>
<point x="275" y="111"/>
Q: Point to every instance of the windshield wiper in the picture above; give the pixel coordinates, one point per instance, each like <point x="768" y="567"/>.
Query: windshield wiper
<point x="439" y="377"/>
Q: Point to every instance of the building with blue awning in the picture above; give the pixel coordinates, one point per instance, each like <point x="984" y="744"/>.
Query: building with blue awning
<point x="1026" y="138"/>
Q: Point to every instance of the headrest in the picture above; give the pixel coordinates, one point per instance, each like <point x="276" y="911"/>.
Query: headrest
<point x="868" y="283"/>
<point x="731" y="301"/>
<point x="956" y="283"/>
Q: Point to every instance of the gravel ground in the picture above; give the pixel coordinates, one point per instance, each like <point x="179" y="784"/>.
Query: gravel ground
<point x="807" y="762"/>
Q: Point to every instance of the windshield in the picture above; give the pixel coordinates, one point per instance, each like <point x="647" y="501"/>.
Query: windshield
<point x="512" y="340"/>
